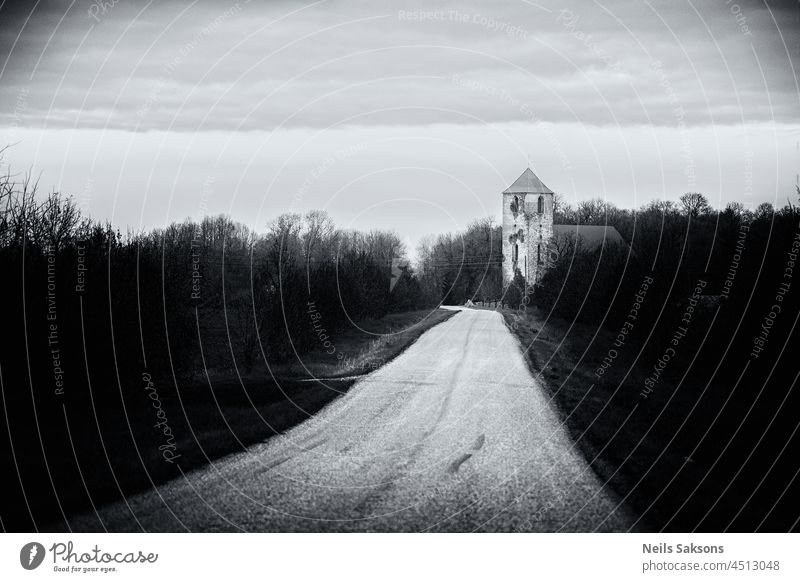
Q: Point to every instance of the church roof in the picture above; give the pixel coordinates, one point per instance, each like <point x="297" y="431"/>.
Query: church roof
<point x="591" y="236"/>
<point x="528" y="183"/>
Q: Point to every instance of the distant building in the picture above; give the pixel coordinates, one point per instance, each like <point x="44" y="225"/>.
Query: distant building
<point x="529" y="232"/>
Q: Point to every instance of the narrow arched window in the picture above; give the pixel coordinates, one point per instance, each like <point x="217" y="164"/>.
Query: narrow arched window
<point x="539" y="253"/>
<point x="540" y="208"/>
<point x="515" y="205"/>
<point x="516" y="252"/>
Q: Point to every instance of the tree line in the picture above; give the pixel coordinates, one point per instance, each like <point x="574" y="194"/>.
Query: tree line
<point x="134" y="300"/>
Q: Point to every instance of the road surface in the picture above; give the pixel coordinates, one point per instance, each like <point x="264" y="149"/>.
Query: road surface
<point x="453" y="435"/>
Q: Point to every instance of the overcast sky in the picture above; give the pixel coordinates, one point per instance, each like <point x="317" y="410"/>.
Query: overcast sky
<point x="404" y="115"/>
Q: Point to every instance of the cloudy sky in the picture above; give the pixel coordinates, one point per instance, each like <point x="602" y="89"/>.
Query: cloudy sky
<point x="404" y="115"/>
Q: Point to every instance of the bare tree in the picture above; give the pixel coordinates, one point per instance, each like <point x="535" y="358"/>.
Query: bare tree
<point x="383" y="246"/>
<point x="694" y="204"/>
<point x="765" y="210"/>
<point x="21" y="217"/>
<point x="318" y="229"/>
<point x="558" y="203"/>
<point x="7" y="201"/>
<point x="563" y="212"/>
<point x="284" y="233"/>
<point x="660" y="206"/>
<point x="58" y="218"/>
<point x="595" y="211"/>
<point x="424" y="255"/>
<point x="735" y="210"/>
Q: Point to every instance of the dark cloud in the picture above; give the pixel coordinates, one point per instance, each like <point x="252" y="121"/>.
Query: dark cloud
<point x="212" y="65"/>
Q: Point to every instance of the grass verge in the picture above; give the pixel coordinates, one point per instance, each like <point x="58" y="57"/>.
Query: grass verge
<point x="640" y="447"/>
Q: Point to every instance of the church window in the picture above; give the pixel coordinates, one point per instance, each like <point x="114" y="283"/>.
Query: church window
<point x="516" y="253"/>
<point x="540" y="207"/>
<point x="539" y="254"/>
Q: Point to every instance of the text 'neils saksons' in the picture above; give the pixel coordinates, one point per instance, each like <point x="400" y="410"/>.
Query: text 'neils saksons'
<point x="663" y="548"/>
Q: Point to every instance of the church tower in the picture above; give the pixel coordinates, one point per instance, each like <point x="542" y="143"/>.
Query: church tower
<point x="527" y="227"/>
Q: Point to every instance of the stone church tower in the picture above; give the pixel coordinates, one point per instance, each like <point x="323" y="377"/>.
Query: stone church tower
<point x="527" y="227"/>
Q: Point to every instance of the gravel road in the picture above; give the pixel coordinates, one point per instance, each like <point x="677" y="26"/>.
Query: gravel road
<point x="455" y="434"/>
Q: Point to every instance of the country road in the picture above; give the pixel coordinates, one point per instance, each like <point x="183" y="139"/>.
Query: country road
<point x="453" y="435"/>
